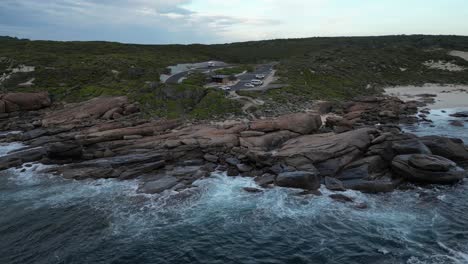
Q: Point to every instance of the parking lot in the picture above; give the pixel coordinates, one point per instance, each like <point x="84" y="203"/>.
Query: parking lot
<point x="181" y="71"/>
<point x="265" y="69"/>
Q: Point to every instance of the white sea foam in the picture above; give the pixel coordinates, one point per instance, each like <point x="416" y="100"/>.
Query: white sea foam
<point x="27" y="174"/>
<point x="457" y="256"/>
<point x="219" y="202"/>
<point x="6" y="133"/>
<point x="6" y="148"/>
<point x="222" y="196"/>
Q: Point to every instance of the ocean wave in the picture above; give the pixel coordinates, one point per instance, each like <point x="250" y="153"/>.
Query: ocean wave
<point x="397" y="227"/>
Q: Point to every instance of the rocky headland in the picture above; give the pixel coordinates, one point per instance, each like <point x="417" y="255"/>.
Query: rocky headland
<point x="350" y="145"/>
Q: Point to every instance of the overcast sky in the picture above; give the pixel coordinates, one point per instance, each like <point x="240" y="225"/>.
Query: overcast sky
<point x="221" y="21"/>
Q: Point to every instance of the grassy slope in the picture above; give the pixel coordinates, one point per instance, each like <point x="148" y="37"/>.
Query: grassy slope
<point x="313" y="68"/>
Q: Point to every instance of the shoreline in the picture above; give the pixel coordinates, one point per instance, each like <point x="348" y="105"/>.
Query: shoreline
<point x="355" y="148"/>
<point x="445" y="96"/>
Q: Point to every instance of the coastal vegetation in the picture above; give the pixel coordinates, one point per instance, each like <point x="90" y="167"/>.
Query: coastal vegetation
<point x="235" y="70"/>
<point x="312" y="68"/>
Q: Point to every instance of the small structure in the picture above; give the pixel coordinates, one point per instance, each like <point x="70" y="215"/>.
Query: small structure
<point x="220" y="78"/>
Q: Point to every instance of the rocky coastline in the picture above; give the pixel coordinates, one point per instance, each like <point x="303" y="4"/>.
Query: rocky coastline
<point x="354" y="145"/>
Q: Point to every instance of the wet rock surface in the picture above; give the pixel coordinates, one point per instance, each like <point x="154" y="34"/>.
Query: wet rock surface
<point x="106" y="138"/>
<point x="460" y="114"/>
<point x="433" y="169"/>
<point x="299" y="179"/>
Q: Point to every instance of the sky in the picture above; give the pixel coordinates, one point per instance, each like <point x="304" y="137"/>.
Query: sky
<point x="224" y="21"/>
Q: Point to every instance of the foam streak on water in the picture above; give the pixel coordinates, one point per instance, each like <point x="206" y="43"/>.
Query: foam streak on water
<point x="5" y="148"/>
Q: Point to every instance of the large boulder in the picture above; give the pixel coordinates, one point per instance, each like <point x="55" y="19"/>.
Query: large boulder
<point x="64" y="150"/>
<point x="329" y="152"/>
<point x="158" y="186"/>
<point x="420" y="168"/>
<point x="450" y="148"/>
<point x="369" y="174"/>
<point x="146" y="129"/>
<point x="17" y="158"/>
<point x="308" y="180"/>
<point x="85" y="111"/>
<point x="265" y="179"/>
<point x="364" y="168"/>
<point x="302" y="123"/>
<point x="390" y="144"/>
<point x="410" y="146"/>
<point x="268" y="141"/>
<point x="460" y="114"/>
<point x="334" y="184"/>
<point x="382" y="184"/>
<point x="210" y="137"/>
<point x="11" y="102"/>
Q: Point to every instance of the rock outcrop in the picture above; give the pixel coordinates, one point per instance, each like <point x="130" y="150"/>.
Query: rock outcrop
<point x="308" y="180"/>
<point x="301" y="123"/>
<point x="12" y="102"/>
<point x="101" y="107"/>
<point x="369" y="110"/>
<point x="106" y="138"/>
<point x="450" y="148"/>
<point x="420" y="168"/>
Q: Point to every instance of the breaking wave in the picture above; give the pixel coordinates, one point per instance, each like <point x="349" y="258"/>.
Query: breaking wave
<point x="47" y="219"/>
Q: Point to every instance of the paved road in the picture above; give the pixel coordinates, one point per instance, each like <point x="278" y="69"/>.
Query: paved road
<point x="176" y="77"/>
<point x="265" y="69"/>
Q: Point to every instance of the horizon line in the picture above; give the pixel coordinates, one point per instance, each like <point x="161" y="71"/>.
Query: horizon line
<point x="236" y="42"/>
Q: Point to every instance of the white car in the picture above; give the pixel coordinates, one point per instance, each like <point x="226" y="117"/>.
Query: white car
<point x="260" y="76"/>
<point x="225" y="88"/>
<point x="256" y="82"/>
<point x="249" y="85"/>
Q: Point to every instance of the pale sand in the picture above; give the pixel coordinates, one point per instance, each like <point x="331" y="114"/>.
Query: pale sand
<point x="443" y="65"/>
<point x="461" y="54"/>
<point x="457" y="95"/>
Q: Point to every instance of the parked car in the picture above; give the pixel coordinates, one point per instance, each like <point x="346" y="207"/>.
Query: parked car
<point x="260" y="76"/>
<point x="249" y="85"/>
<point x="211" y="64"/>
<point x="225" y="88"/>
<point x="256" y="82"/>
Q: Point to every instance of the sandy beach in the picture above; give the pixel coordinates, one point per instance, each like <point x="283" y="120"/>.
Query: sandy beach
<point x="447" y="96"/>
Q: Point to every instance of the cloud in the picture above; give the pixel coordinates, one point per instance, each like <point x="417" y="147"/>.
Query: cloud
<point x="160" y="21"/>
<point x="220" y="21"/>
